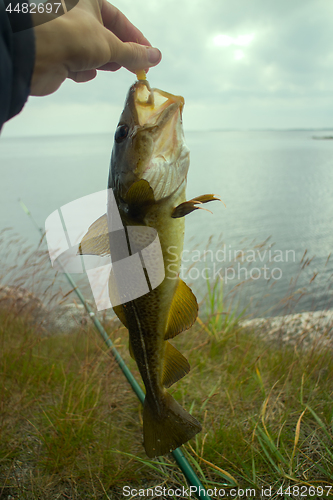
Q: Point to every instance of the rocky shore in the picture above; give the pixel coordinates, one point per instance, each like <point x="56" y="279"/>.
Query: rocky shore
<point x="305" y="329"/>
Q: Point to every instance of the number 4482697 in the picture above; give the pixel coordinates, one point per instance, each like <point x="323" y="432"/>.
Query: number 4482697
<point x="33" y="8"/>
<point x="306" y="491"/>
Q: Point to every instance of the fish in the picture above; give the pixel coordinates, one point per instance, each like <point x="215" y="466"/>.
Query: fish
<point x="148" y="174"/>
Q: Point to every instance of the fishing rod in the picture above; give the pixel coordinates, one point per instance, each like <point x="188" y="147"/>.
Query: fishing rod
<point x="182" y="462"/>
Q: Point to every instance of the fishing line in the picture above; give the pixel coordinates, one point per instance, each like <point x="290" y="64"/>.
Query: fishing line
<point x="178" y="454"/>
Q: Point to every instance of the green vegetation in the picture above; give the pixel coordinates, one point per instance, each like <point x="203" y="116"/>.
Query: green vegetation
<point x="70" y="426"/>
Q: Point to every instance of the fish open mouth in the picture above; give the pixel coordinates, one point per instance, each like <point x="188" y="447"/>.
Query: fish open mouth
<point x="159" y="115"/>
<point x="151" y="104"/>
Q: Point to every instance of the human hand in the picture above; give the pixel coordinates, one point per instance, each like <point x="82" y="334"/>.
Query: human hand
<point x="93" y="35"/>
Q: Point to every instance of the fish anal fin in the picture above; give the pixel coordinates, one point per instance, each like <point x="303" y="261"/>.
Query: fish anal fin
<point x="175" y="365"/>
<point x="164" y="432"/>
<point x="130" y="348"/>
<point x="96" y="239"/>
<point x="183" y="311"/>
<point x="188" y="206"/>
<point x="120" y="312"/>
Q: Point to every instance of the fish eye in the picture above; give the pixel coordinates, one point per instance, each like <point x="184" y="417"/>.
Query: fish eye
<point x="121" y="133"/>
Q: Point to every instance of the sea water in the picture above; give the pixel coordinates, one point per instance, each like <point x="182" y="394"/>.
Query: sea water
<point x="276" y="187"/>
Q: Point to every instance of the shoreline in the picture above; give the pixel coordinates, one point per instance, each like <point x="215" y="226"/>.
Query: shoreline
<point x="304" y="329"/>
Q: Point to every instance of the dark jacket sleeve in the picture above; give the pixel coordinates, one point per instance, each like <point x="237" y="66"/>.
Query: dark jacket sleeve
<point x="17" y="56"/>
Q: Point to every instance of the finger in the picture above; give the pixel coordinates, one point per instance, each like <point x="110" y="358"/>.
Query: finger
<point x="133" y="56"/>
<point x="112" y="66"/>
<point x="115" y="21"/>
<point x="82" y="76"/>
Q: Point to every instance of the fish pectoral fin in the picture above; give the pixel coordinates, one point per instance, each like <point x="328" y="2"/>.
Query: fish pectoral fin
<point x="188" y="206"/>
<point x="139" y="196"/>
<point x="120" y="312"/>
<point x="175" y="365"/>
<point x="96" y="239"/>
<point x="183" y="311"/>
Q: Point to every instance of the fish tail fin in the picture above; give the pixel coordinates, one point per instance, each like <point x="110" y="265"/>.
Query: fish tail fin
<point x="166" y="431"/>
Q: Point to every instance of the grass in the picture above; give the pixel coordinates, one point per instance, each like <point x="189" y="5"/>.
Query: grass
<point x="218" y="319"/>
<point x="71" y="428"/>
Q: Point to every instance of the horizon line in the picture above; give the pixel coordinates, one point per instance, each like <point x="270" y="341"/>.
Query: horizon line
<point x="270" y="129"/>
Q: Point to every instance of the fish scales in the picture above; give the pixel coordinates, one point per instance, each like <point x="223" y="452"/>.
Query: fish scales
<point x="148" y="171"/>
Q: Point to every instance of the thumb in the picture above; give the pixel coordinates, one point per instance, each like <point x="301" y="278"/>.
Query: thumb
<point x="134" y="56"/>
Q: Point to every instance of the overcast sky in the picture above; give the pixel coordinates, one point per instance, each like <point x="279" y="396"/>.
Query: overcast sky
<point x="239" y="64"/>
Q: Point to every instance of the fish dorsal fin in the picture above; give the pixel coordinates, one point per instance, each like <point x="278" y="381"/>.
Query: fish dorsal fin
<point x="96" y="239"/>
<point x="183" y="311"/>
<point x="140" y="195"/>
<point x="175" y="366"/>
<point x="120" y="312"/>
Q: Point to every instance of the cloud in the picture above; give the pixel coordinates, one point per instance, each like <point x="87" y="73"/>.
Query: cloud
<point x="272" y="67"/>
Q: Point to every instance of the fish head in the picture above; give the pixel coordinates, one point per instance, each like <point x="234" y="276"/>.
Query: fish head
<point x="149" y="143"/>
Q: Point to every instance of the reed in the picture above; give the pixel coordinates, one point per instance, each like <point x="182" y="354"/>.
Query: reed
<point x="70" y="426"/>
